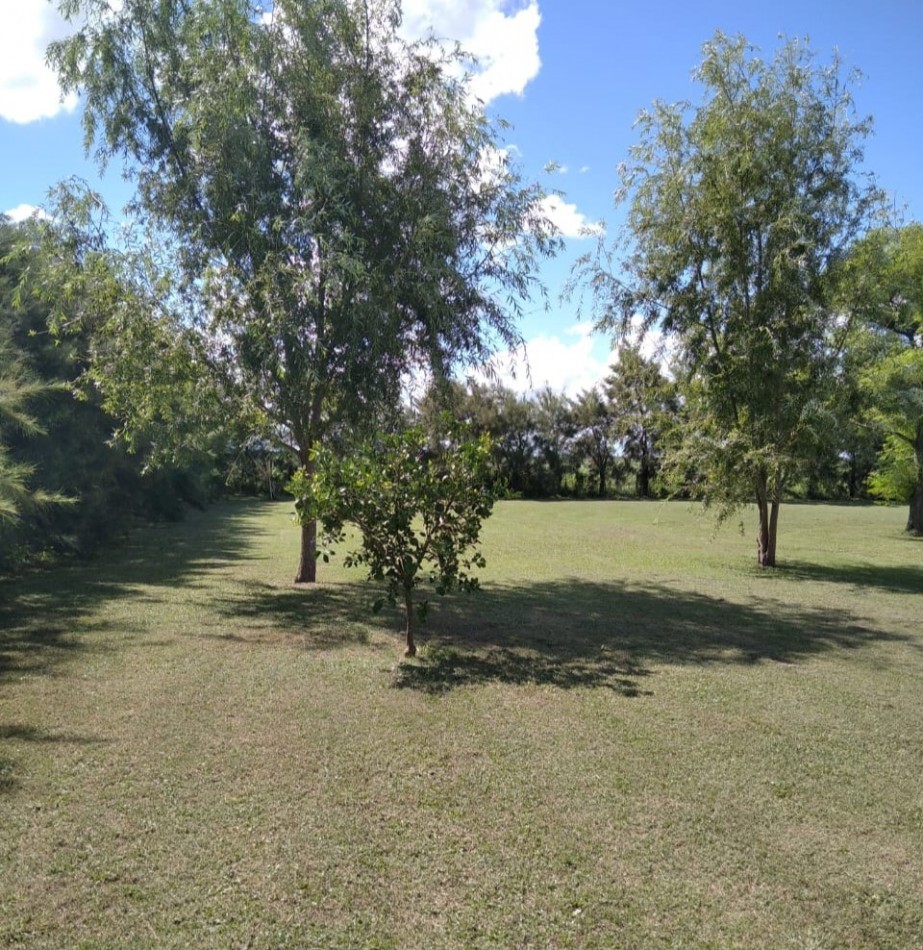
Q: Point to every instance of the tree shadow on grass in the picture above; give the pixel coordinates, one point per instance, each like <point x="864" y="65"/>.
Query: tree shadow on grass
<point x="7" y="777"/>
<point x="566" y="634"/>
<point x="578" y="633"/>
<point x="32" y="734"/>
<point x="316" y="617"/>
<point x="443" y="668"/>
<point x="40" y="610"/>
<point x="896" y="578"/>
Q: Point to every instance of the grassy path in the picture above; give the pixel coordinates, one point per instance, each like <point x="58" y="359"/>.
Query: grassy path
<point x="631" y="738"/>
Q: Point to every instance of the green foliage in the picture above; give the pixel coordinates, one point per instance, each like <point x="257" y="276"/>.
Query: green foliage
<point x="592" y="419"/>
<point x="739" y="213"/>
<point x="529" y="436"/>
<point x="342" y="193"/>
<point x="143" y="356"/>
<point x="67" y="332"/>
<point x="897" y="474"/>
<point x="546" y="445"/>
<point x="886" y="276"/>
<point x="418" y="511"/>
<point x="644" y="404"/>
<point x="17" y="391"/>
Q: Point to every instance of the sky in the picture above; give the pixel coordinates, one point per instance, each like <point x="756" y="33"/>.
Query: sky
<point x="570" y="76"/>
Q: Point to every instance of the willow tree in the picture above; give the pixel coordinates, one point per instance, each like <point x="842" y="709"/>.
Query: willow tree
<point x="739" y="211"/>
<point x="339" y="195"/>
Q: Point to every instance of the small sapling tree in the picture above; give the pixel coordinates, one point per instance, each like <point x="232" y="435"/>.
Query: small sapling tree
<point x="418" y="511"/>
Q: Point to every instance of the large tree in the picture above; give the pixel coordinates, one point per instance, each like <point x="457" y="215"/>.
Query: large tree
<point x="339" y="195"/>
<point x="887" y="282"/>
<point x="739" y="211"/>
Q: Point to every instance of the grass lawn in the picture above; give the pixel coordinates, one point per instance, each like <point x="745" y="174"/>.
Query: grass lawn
<point x="632" y="737"/>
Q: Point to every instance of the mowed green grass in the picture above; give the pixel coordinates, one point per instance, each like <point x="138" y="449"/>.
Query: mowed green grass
<point x="631" y="737"/>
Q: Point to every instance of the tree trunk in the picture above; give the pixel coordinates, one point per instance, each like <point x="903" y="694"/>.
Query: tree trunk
<point x="643" y="482"/>
<point x="915" y="517"/>
<point x="307" y="563"/>
<point x="411" y="618"/>
<point x="769" y="525"/>
<point x="853" y="479"/>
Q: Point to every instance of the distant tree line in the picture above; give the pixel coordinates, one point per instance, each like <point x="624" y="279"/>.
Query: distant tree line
<point x="625" y="437"/>
<point x="607" y="441"/>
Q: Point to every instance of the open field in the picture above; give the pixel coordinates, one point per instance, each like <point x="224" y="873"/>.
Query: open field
<point x="631" y="738"/>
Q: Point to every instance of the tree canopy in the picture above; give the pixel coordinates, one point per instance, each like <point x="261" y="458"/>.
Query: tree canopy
<point x="341" y="199"/>
<point x="740" y="211"/>
<point x="643" y="404"/>
<point x="886" y="270"/>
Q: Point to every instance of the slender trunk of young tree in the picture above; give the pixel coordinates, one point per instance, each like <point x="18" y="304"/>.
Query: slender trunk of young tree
<point x="774" y="507"/>
<point x="645" y="467"/>
<point x="769" y="523"/>
<point x="766" y="538"/>
<point x="411" y="622"/>
<point x="853" y="480"/>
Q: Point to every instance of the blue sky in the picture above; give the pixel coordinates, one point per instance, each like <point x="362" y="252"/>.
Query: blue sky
<point x="571" y="78"/>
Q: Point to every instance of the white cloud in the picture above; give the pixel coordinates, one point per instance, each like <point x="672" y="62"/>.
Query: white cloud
<point x="563" y="366"/>
<point x="568" y="220"/>
<point x="23" y="211"/>
<point x="501" y="34"/>
<point x="653" y="344"/>
<point x="571" y="365"/>
<point x="28" y="88"/>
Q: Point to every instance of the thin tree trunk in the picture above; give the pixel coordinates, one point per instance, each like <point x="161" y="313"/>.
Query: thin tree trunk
<point x="769" y="524"/>
<point x="762" y="535"/>
<point x="853" y="480"/>
<point x="774" y="506"/>
<point x="411" y="622"/>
